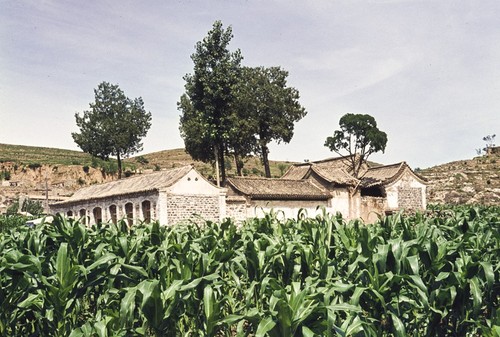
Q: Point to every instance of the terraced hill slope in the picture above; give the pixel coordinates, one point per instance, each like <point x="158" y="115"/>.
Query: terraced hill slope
<point x="474" y="181"/>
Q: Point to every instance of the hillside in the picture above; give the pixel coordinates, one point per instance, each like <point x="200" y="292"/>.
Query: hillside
<point x="474" y="181"/>
<point x="21" y="154"/>
<point x="27" y="171"/>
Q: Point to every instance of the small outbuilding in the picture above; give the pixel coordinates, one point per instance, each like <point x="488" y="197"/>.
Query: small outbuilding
<point x="253" y="197"/>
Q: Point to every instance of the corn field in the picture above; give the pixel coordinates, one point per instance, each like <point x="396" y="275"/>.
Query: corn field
<point x="430" y="274"/>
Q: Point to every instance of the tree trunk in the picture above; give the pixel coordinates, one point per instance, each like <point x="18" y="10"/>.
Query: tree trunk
<point x="222" y="167"/>
<point x="239" y="164"/>
<point x="265" y="160"/>
<point x="217" y="171"/>
<point x="119" y="160"/>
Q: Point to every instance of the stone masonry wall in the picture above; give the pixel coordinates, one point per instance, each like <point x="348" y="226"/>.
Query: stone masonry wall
<point x="237" y="211"/>
<point x="183" y="207"/>
<point x="410" y="198"/>
<point x="371" y="208"/>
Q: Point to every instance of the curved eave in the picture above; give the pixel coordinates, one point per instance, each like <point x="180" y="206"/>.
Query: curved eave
<point x="404" y="167"/>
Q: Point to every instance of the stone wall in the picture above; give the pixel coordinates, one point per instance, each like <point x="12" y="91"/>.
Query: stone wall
<point x="183" y="207"/>
<point x="410" y="198"/>
<point x="403" y="193"/>
<point x="236" y="210"/>
<point x="371" y="208"/>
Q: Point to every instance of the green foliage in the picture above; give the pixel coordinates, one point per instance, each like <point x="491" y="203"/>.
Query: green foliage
<point x="34" y="166"/>
<point x="206" y="105"/>
<point x="42" y="155"/>
<point x="282" y="167"/>
<point x="109" y="167"/>
<point x="434" y="274"/>
<point x="11" y="221"/>
<point x="33" y="207"/>
<point x="142" y="160"/>
<point x="267" y="110"/>
<point x="114" y="125"/>
<point x="5" y="175"/>
<point x="232" y="110"/>
<point x="359" y="136"/>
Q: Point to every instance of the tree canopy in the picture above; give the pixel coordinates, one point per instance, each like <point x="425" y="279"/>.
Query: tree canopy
<point x="270" y="106"/>
<point x="206" y="105"/>
<point x="114" y="125"/>
<point x="228" y="109"/>
<point x="359" y="136"/>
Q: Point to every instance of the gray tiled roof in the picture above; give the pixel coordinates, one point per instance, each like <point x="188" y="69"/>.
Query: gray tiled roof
<point x="285" y="189"/>
<point x="134" y="184"/>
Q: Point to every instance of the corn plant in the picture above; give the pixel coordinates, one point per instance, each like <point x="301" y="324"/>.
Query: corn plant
<point x="429" y="274"/>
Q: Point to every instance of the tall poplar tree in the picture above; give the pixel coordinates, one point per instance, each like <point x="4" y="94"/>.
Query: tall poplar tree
<point x="207" y="104"/>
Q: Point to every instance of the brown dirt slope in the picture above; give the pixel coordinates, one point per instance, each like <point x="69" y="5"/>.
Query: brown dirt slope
<point x="474" y="181"/>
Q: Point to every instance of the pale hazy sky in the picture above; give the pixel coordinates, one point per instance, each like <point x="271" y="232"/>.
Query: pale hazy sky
<point x="428" y="71"/>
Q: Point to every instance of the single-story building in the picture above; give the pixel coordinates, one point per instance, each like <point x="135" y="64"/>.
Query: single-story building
<point x="380" y="189"/>
<point x="249" y="197"/>
<point x="168" y="196"/>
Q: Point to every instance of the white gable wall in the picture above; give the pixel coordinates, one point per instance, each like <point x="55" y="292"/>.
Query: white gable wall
<point x="406" y="192"/>
<point x="193" y="183"/>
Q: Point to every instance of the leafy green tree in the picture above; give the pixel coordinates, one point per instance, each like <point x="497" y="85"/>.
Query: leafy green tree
<point x="33" y="207"/>
<point x="114" y="125"/>
<point x="270" y="106"/>
<point x="490" y="142"/>
<point x="206" y="105"/>
<point x="360" y="137"/>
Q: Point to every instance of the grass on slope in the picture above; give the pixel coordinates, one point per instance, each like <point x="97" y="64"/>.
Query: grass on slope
<point x="166" y="159"/>
<point x="42" y="155"/>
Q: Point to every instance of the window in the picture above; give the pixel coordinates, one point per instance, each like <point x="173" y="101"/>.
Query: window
<point x="69" y="213"/>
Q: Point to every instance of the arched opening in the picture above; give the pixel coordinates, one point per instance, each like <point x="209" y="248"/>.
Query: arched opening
<point x="129" y="211"/>
<point x="97" y="212"/>
<point x="83" y="215"/>
<point x="69" y="213"/>
<point x="113" y="214"/>
<point x="146" y="211"/>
